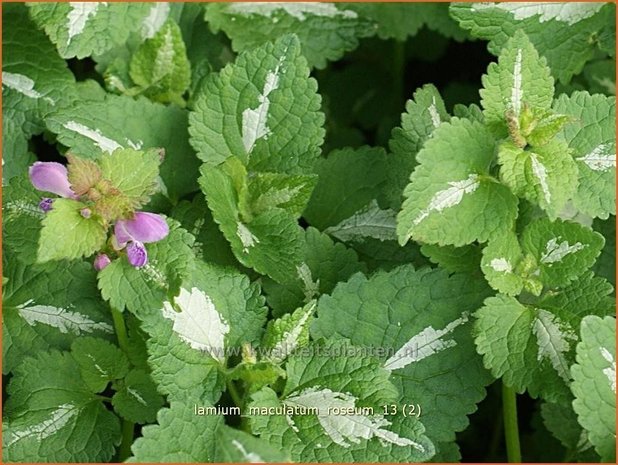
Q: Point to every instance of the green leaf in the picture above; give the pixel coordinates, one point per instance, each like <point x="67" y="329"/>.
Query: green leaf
<point x="520" y="79"/>
<point x="82" y="29"/>
<point x="561" y="421"/>
<point x="465" y="259"/>
<point x="533" y="355"/>
<point x="601" y="77"/>
<point x="99" y="362"/>
<point x="263" y="109"/>
<point x="89" y="128"/>
<point x="137" y="399"/>
<point x="501" y="257"/>
<point x="269" y="242"/>
<point x="327" y="379"/>
<point x="163" y="443"/>
<point x="191" y="335"/>
<point x="423" y="115"/>
<point x="563" y="250"/>
<point x="605" y="265"/>
<point x="324" y="30"/>
<point x="592" y="138"/>
<point x="420" y="320"/>
<point x="270" y="190"/>
<point x="66" y="234"/>
<point x="51" y="415"/>
<point x="288" y="333"/>
<point x="160" y="65"/>
<point x="369" y="222"/>
<point x="234" y="446"/>
<point x="49" y="306"/>
<point x="454" y="200"/>
<point x="325" y="263"/>
<point x="210" y="244"/>
<point x="21" y="218"/>
<point x="133" y="173"/>
<point x="35" y="80"/>
<point x="594" y="383"/>
<point x="348" y="180"/>
<point x="545" y="175"/>
<point x="563" y="34"/>
<point x="142" y="289"/>
<point x="15" y="153"/>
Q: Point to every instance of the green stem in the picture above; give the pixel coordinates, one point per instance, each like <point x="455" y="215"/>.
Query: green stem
<point x="124" y="452"/>
<point x="231" y="387"/>
<point x="511" y="430"/>
<point x="399" y="61"/>
<point x="128" y="427"/>
<point x="121" y="330"/>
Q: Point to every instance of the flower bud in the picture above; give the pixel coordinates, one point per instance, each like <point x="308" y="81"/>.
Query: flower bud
<point x="51" y="177"/>
<point x="144" y="227"/>
<point x="101" y="261"/>
<point x="46" y="204"/>
<point x="137" y="255"/>
<point x="85" y="212"/>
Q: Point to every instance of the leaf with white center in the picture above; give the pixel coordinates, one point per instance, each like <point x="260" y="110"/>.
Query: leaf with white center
<point x="348" y="180"/>
<point x="235" y="446"/>
<point x="49" y="306"/>
<point x="425" y="344"/>
<point x="263" y="109"/>
<point x="161" y="442"/>
<point x="336" y="401"/>
<point x="529" y="347"/>
<point x="346" y="430"/>
<point x="546" y="175"/>
<point x="563" y="250"/>
<point x="31" y="88"/>
<point x="594" y="384"/>
<point x="521" y="77"/>
<point x="559" y="31"/>
<point x="370" y="221"/>
<point x="454" y="200"/>
<point x="140" y="290"/>
<point x="288" y="333"/>
<point x="216" y="312"/>
<point x="325" y="30"/>
<point x="500" y="259"/>
<point x="324" y="264"/>
<point x="155" y="19"/>
<point x="80" y="29"/>
<point x="270" y="242"/>
<point x="89" y="128"/>
<point x="290" y="192"/>
<point x="591" y="136"/>
<point x="160" y="65"/>
<point x="415" y="321"/>
<point x="197" y="322"/>
<point x="99" y="362"/>
<point x="423" y="114"/>
<point x="51" y="415"/>
<point x="136" y="398"/>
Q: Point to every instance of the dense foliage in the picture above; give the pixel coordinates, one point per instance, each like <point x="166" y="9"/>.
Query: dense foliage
<point x="224" y="241"/>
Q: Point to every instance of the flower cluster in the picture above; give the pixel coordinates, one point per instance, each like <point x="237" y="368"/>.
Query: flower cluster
<point x="129" y="236"/>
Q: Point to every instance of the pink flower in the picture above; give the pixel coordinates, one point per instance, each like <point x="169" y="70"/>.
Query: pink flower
<point x="144" y="227"/>
<point x="101" y="261"/>
<point x="51" y="177"/>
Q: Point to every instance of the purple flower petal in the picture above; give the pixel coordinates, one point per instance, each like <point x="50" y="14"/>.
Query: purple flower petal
<point x="137" y="255"/>
<point x="143" y="227"/>
<point x="49" y="176"/>
<point x="101" y="261"/>
<point x="46" y="204"/>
